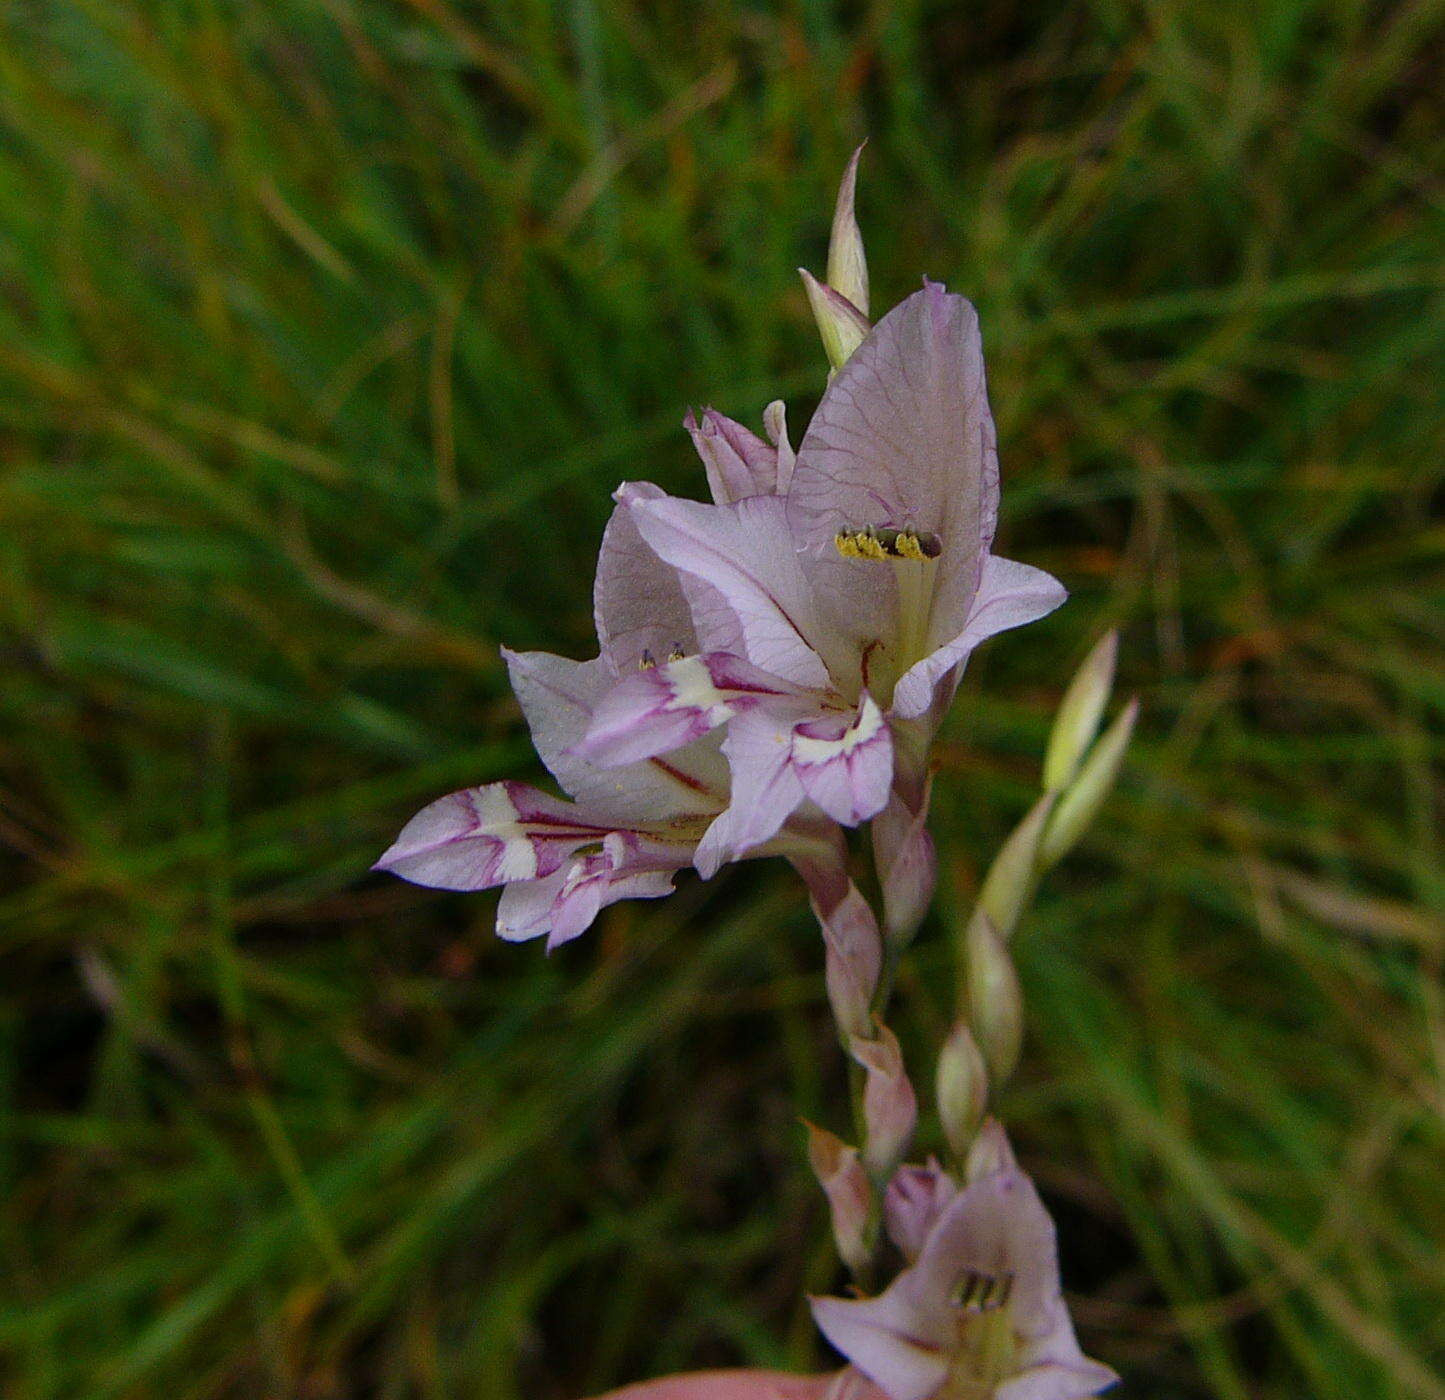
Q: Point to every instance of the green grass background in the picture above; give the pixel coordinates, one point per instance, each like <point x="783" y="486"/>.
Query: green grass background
<point x="326" y="328"/>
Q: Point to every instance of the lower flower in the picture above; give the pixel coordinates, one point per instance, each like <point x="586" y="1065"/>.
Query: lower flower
<point x="977" y="1313"/>
<point x="752" y="1385"/>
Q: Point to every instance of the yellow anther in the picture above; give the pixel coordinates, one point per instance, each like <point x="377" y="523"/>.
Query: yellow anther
<point x="859" y="544"/>
<point x="884" y="542"/>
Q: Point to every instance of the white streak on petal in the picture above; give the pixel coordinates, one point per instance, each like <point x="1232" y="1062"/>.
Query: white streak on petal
<point x="863" y="729"/>
<point x="564" y="905"/>
<point x="692" y="688"/>
<point x="492" y="835"/>
<point x="659" y="709"/>
<point x="848" y="774"/>
<point x="559" y="698"/>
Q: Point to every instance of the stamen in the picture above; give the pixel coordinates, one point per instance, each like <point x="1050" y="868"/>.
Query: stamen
<point x="646" y="662"/>
<point x="859" y="544"/>
<point x="980" y="1292"/>
<point x="910" y="551"/>
<point x="884" y="542"/>
<point x="677" y="653"/>
<point x="918" y="546"/>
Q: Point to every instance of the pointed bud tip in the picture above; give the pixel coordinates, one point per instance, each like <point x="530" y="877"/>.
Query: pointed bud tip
<point x="990" y="1153"/>
<point x="1082" y="801"/>
<point x="1009" y="884"/>
<point x="1080" y="712"/>
<point x="825" y="1148"/>
<point x="839" y="1170"/>
<point x="847" y="264"/>
<point x="961" y="1088"/>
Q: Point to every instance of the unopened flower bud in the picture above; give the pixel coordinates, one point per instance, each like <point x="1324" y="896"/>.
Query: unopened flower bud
<point x="890" y="1107"/>
<point x="907" y="866"/>
<point x="840" y="323"/>
<point x="1080" y="711"/>
<point x="1080" y="803"/>
<point x="962" y="1088"/>
<point x="995" y="1000"/>
<point x="912" y="1204"/>
<point x="990" y="1152"/>
<point x="845" y="1183"/>
<point x="1009" y="884"/>
<point x="847" y="266"/>
<point x="853" y="957"/>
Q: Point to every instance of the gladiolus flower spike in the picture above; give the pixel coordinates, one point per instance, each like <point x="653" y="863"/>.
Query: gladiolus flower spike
<point x="773" y="665"/>
<point x="773" y="661"/>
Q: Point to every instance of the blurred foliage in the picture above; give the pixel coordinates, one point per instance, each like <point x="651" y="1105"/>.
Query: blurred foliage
<point x="326" y="327"/>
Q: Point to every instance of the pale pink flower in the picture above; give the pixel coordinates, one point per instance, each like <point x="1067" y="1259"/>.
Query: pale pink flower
<point x="976" y="1313"/>
<point x="634" y="823"/>
<point x="630" y="827"/>
<point x="818" y="612"/>
<point x="836" y="606"/>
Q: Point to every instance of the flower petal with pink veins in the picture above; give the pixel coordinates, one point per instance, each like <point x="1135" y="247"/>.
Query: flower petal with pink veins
<point x="766" y="791"/>
<point x="904" y="439"/>
<point x="668" y="705"/>
<point x="638" y="602"/>
<point x="485" y="836"/>
<point x="558" y="696"/>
